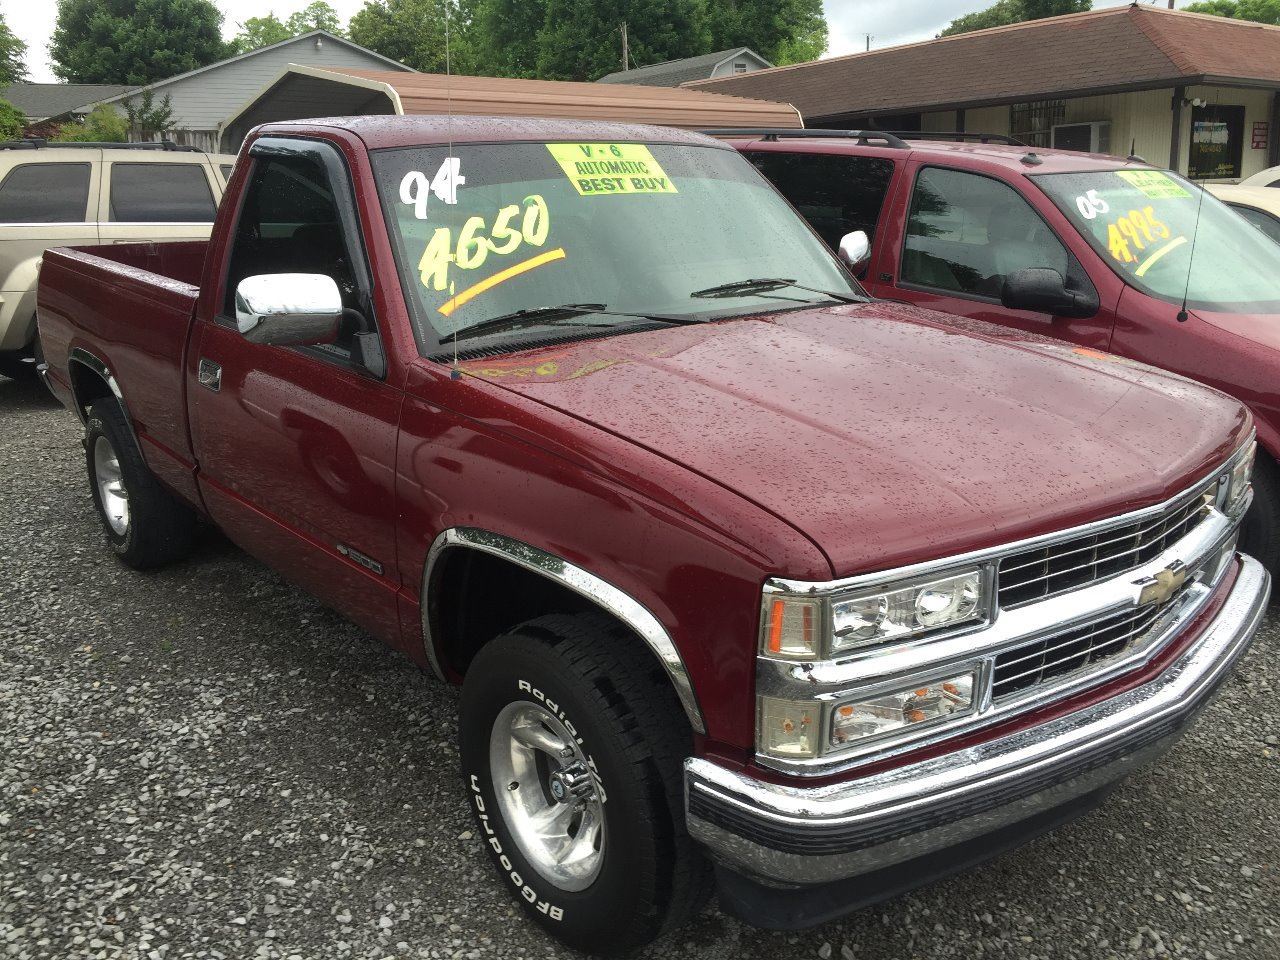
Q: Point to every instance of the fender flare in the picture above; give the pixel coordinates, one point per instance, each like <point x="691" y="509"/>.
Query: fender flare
<point x="600" y="592"/>
<point x="97" y="366"/>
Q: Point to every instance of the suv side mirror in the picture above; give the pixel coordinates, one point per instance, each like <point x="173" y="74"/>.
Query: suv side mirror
<point x="1043" y="290"/>
<point x="288" y="309"/>
<point x="855" y="250"/>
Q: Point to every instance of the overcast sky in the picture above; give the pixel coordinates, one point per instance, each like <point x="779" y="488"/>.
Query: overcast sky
<point x="888" y="21"/>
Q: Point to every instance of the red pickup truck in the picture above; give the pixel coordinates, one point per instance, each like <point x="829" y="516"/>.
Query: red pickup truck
<point x="1105" y="253"/>
<point x="750" y="581"/>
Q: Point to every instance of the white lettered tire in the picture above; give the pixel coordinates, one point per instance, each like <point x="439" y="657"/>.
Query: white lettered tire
<point x="572" y="743"/>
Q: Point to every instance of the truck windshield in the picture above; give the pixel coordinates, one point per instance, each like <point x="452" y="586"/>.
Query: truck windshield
<point x="1142" y="223"/>
<point x="637" y="228"/>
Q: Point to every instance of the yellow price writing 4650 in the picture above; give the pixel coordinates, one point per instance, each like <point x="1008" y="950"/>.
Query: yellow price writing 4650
<point x="1137" y="228"/>
<point x="475" y="241"/>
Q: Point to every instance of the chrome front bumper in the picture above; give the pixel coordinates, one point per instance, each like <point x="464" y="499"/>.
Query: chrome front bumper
<point x="790" y="836"/>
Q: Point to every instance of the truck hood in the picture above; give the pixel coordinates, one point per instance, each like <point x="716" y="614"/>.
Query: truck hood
<point x="887" y="434"/>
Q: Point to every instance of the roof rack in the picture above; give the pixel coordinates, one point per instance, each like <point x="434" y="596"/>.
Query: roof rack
<point x="40" y="143"/>
<point x="864" y="137"/>
<point x="961" y="135"/>
<point x="958" y="135"/>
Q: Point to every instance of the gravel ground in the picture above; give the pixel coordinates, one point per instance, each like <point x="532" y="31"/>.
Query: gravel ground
<point x="204" y="762"/>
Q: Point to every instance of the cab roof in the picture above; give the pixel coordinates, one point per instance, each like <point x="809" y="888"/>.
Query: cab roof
<point x="385" y="131"/>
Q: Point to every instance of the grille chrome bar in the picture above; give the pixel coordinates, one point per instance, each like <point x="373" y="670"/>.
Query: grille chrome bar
<point x="1057" y="568"/>
<point x="1115" y="633"/>
<point x="1070" y="640"/>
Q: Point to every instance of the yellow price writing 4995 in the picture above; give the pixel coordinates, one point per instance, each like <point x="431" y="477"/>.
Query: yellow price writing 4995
<point x="1137" y="228"/>
<point x="476" y="241"/>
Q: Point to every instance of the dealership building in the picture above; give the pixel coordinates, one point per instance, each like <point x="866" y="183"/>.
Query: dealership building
<point x="1196" y="93"/>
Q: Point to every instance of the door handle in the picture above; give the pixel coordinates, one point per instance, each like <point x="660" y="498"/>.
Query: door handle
<point x="209" y="375"/>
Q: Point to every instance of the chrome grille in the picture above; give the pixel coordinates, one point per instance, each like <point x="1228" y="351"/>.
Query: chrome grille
<point x="1071" y="564"/>
<point x="1087" y="647"/>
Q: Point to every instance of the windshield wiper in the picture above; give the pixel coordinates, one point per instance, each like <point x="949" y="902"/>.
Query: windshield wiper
<point x="536" y="315"/>
<point x="764" y="286"/>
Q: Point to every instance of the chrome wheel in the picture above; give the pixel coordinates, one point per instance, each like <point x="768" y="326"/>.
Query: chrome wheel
<point x="111" y="490"/>
<point x="548" y="795"/>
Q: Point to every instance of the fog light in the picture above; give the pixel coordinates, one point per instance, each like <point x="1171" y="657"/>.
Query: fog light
<point x="788" y="729"/>
<point x="888" y="712"/>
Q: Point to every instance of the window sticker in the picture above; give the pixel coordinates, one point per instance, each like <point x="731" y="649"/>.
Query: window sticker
<point x="1140" y="237"/>
<point x="1091" y="204"/>
<point x="599" y="169"/>
<point x="514" y="228"/>
<point x="1154" y="184"/>
<point x="415" y="190"/>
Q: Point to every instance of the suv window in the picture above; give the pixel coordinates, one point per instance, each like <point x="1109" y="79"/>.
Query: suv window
<point x="160" y="193"/>
<point x="289" y="223"/>
<point x="45" y="193"/>
<point x="967" y="232"/>
<point x="836" y="194"/>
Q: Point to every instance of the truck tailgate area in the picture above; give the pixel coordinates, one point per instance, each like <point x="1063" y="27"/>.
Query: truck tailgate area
<point x="123" y="312"/>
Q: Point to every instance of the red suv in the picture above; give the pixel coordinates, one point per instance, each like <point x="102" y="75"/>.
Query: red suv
<point x="1110" y="254"/>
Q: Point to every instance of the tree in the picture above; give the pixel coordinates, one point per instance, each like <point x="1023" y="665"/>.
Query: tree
<point x="1005" y="12"/>
<point x="263" y="31"/>
<point x="1260" y="11"/>
<point x="581" y="39"/>
<point x="505" y="36"/>
<point x="12" y="121"/>
<point x="146" y="119"/>
<point x="781" y="31"/>
<point x="134" y="41"/>
<point x="104" y="124"/>
<point x="412" y="32"/>
<point x="13" y="64"/>
<point x="260" y="32"/>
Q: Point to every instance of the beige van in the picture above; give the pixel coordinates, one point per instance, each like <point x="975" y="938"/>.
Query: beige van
<point x="60" y="194"/>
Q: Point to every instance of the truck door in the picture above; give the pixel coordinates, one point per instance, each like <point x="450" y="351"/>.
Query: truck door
<point x="296" y="445"/>
<point x="964" y="233"/>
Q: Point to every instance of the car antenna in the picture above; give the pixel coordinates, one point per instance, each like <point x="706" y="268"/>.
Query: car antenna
<point x="1195" y="232"/>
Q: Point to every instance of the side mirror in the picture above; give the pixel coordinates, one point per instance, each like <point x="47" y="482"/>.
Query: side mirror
<point x="1042" y="290"/>
<point x="855" y="250"/>
<point x="288" y="309"/>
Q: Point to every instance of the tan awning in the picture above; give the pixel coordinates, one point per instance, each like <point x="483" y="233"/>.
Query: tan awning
<point x="301" y="92"/>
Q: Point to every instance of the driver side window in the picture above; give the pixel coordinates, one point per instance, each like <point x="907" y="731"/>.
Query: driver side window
<point x="289" y="223"/>
<point x="966" y="233"/>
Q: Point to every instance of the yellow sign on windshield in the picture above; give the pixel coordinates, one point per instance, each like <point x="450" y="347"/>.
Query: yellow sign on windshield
<point x="1154" y="184"/>
<point x="599" y="169"/>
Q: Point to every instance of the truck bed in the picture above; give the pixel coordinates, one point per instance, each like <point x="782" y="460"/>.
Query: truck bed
<point x="127" y="307"/>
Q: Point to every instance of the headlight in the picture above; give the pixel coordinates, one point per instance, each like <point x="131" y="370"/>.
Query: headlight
<point x="889" y="712"/>
<point x="1238" y="482"/>
<point x="813" y="628"/>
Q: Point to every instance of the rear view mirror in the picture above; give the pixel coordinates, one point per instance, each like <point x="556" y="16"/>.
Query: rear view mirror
<point x="1042" y="290"/>
<point x="289" y="309"/>
<point x="855" y="250"/>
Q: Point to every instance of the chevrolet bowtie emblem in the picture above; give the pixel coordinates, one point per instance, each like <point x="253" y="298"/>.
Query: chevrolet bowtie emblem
<point x="1163" y="585"/>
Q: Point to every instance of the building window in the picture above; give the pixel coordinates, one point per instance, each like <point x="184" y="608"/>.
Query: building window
<point x="1033" y="122"/>
<point x="739" y="66"/>
<point x="1217" y="142"/>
